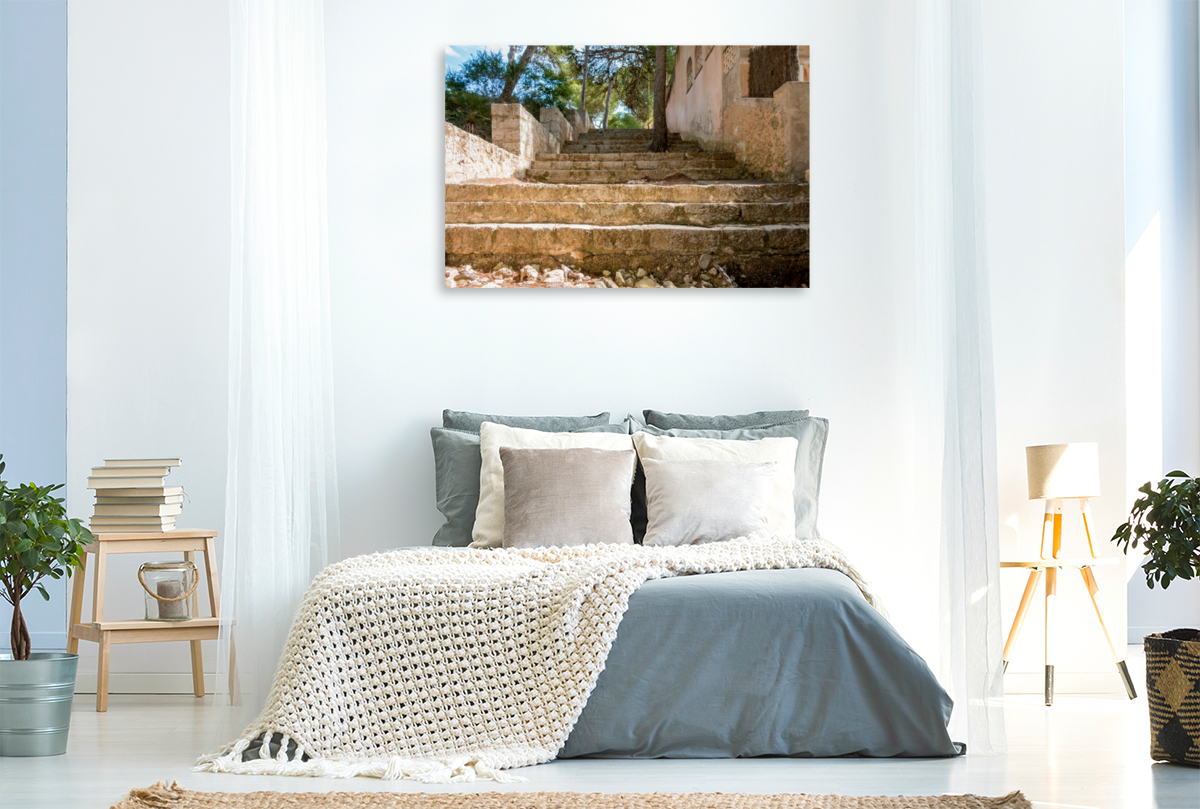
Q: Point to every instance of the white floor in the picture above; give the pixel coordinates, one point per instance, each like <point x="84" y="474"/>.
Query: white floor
<point x="1082" y="752"/>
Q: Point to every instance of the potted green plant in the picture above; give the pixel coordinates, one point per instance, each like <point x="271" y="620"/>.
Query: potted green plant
<point x="1165" y="521"/>
<point x="36" y="688"/>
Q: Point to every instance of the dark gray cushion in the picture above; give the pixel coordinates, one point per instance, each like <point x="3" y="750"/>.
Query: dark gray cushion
<point x="685" y="421"/>
<point x="463" y="420"/>
<point x="456" y="466"/>
<point x="566" y="497"/>
<point x="811" y="433"/>
<point x="457" y="463"/>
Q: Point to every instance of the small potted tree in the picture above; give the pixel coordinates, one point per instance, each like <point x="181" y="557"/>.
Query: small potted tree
<point x="36" y="688"/>
<point x="1165" y="521"/>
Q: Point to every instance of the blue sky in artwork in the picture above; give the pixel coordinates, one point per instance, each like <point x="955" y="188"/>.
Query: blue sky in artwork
<point x="457" y="54"/>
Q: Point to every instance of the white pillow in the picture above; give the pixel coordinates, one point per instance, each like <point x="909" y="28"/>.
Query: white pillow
<point x="489" y="514"/>
<point x="690" y="502"/>
<point x="781" y="515"/>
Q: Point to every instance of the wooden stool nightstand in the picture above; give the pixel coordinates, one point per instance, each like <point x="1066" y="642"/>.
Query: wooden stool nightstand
<point x="106" y="633"/>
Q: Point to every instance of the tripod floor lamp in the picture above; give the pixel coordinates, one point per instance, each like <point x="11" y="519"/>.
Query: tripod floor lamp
<point x="1059" y="472"/>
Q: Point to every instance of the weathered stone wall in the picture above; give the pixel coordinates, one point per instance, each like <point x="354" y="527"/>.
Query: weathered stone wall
<point x="557" y="124"/>
<point x="754" y="132"/>
<point x="770" y="135"/>
<point x="469" y="157"/>
<point x="793" y="99"/>
<point x="579" y="122"/>
<point x="695" y="111"/>
<point x="516" y="130"/>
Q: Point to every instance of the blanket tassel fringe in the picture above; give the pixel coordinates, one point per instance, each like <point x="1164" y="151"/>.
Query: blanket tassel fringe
<point x="456" y="769"/>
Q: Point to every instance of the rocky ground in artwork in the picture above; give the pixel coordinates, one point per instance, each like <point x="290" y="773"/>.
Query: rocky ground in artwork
<point x="534" y="275"/>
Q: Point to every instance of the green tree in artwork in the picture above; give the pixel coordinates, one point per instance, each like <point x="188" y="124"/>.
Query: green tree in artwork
<point x="467" y="110"/>
<point x="535" y="76"/>
<point x="631" y="69"/>
<point x="623" y="120"/>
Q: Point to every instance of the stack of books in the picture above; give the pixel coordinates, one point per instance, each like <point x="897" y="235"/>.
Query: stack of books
<point x="132" y="496"/>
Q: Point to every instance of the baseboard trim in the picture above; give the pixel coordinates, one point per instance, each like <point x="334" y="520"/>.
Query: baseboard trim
<point x="1065" y="682"/>
<point x="1136" y="633"/>
<point x="47" y="641"/>
<point x="144" y="683"/>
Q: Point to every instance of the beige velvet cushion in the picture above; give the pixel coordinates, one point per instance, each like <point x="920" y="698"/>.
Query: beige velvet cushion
<point x="488" y="531"/>
<point x="566" y="496"/>
<point x="781" y="514"/>
<point x="689" y="502"/>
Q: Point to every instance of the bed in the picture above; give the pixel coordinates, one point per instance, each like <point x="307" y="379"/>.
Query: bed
<point x="760" y="663"/>
<point x="572" y="641"/>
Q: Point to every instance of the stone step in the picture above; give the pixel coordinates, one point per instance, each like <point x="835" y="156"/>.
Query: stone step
<point x="628" y="175"/>
<point x="759" y="255"/>
<point x="646" y="141"/>
<point x="700" y="214"/>
<point x="681" y="148"/>
<point x="638" y="192"/>
<point x="621" y="157"/>
<point x="626" y="133"/>
<point x="639" y="141"/>
<point x="646" y="137"/>
<point x="542" y="167"/>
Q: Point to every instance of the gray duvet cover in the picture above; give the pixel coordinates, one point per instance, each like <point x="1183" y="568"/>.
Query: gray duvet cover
<point x="760" y="663"/>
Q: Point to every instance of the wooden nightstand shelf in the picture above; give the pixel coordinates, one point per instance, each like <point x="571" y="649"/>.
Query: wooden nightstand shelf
<point x="107" y="633"/>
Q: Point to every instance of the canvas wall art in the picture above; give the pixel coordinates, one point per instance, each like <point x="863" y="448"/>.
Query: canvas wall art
<point x="606" y="166"/>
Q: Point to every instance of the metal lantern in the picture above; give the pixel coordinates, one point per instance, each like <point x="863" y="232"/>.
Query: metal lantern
<point x="169" y="587"/>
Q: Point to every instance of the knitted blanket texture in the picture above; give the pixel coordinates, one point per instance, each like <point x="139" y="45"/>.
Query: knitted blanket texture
<point x="449" y="666"/>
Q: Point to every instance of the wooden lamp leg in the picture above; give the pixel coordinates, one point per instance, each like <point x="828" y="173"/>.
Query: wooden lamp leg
<point x="1057" y="506"/>
<point x="1035" y="576"/>
<point x="1051" y="604"/>
<point x="1086" y="512"/>
<point x="1048" y="517"/>
<point x="1093" y="588"/>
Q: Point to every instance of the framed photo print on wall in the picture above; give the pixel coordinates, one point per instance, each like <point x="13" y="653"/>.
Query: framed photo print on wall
<point x="642" y="166"/>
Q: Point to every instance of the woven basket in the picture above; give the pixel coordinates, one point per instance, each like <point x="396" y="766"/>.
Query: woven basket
<point x="1173" y="691"/>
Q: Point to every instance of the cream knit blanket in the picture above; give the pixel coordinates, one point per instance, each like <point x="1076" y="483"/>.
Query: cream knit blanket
<point x="447" y="666"/>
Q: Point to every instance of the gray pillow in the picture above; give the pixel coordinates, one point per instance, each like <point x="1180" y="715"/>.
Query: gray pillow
<point x="811" y="433"/>
<point x="684" y="421"/>
<point x="463" y="420"/>
<point x="564" y="497"/>
<point x="456" y="463"/>
<point x="694" y="501"/>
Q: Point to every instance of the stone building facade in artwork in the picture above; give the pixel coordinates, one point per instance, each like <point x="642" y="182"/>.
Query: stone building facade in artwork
<point x="752" y="101"/>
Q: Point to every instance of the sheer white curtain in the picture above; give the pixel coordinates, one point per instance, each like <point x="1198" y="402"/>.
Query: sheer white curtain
<point x="281" y="508"/>
<point x="957" y="428"/>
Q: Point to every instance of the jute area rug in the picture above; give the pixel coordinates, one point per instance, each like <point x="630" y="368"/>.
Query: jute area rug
<point x="162" y="796"/>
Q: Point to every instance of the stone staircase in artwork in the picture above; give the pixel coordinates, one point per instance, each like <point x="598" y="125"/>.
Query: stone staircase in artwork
<point x="623" y="155"/>
<point x="612" y="210"/>
<point x="609" y="141"/>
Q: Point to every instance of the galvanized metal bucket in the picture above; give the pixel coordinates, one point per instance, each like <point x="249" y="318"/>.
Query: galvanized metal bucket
<point x="35" y="703"/>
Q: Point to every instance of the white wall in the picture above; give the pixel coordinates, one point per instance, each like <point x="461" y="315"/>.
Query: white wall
<point x="405" y="347"/>
<point x="148" y="247"/>
<point x="1162" y="240"/>
<point x="149" y="238"/>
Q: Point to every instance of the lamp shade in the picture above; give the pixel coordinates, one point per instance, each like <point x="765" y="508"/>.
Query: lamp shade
<point x="1063" y="470"/>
